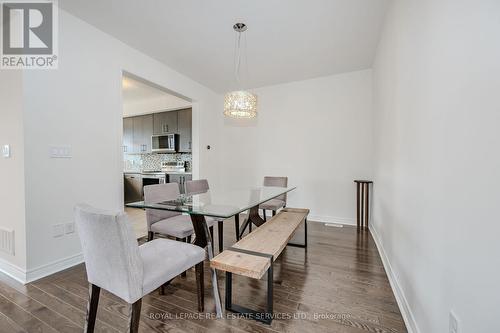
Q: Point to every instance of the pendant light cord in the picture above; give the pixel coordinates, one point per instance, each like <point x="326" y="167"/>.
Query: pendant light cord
<point x="238" y="60"/>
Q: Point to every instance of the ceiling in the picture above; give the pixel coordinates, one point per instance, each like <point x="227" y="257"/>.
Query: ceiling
<point x="287" y="40"/>
<point x="142" y="98"/>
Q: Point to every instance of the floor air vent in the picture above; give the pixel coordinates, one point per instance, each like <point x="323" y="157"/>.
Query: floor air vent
<point x="7" y="240"/>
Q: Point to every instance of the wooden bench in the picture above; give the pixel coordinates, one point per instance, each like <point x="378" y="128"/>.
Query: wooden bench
<point x="253" y="256"/>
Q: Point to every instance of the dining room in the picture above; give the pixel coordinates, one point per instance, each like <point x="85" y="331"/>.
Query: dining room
<point x="249" y="166"/>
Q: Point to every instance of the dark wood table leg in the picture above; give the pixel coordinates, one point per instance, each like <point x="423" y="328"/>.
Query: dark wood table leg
<point x="204" y="240"/>
<point x="253" y="217"/>
<point x="237" y="226"/>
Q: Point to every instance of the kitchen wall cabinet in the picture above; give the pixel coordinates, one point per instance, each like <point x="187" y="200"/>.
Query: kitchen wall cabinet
<point x="128" y="135"/>
<point x="185" y="121"/>
<point x="143" y="130"/>
<point x="165" y="122"/>
<point x="137" y="132"/>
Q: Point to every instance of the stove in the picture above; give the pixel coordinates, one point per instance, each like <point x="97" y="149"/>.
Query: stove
<point x="173" y="166"/>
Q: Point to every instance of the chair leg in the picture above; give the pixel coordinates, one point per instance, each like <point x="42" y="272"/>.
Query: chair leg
<point x="264" y="215"/>
<point x="274" y="212"/>
<point x="212" y="237"/>
<point x="163" y="286"/>
<point x="184" y="274"/>
<point x="220" y="233"/>
<point x="134" y="317"/>
<point x="151" y="235"/>
<point x="200" y="285"/>
<point x="189" y="239"/>
<point x="92" y="308"/>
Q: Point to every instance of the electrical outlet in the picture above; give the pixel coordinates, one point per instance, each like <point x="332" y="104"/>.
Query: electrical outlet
<point x="453" y="323"/>
<point x="69" y="228"/>
<point x="57" y="230"/>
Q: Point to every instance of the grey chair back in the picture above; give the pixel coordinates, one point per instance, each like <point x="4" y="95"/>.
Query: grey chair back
<point x="196" y="186"/>
<point x="277" y="182"/>
<point x="156" y="194"/>
<point x="111" y="252"/>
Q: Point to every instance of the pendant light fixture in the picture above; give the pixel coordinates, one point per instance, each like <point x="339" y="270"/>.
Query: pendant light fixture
<point x="240" y="103"/>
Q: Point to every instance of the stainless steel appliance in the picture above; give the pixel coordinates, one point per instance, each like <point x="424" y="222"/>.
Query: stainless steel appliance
<point x="165" y="143"/>
<point x="176" y="173"/>
<point x="177" y="166"/>
<point x="134" y="183"/>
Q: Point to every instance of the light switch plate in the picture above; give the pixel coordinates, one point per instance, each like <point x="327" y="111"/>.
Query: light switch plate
<point x="60" y="151"/>
<point x="6" y="151"/>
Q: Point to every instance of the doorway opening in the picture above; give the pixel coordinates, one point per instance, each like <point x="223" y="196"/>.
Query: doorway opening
<point x="157" y="141"/>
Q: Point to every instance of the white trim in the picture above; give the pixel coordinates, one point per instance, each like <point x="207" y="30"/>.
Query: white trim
<point x="404" y="307"/>
<point x="53" y="267"/>
<point x="331" y="219"/>
<point x="15" y="272"/>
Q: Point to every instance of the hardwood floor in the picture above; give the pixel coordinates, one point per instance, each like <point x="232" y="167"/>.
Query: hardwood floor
<point x="338" y="285"/>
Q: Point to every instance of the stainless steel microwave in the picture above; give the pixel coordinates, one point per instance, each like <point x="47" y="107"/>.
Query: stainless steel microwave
<point x="165" y="143"/>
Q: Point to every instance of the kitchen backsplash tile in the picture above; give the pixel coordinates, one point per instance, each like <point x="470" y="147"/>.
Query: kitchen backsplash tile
<point x="153" y="161"/>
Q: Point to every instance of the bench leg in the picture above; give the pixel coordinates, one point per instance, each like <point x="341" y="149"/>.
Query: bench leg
<point x="305" y="237"/>
<point x="264" y="317"/>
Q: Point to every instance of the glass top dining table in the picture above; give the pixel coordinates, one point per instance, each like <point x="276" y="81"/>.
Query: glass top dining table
<point x="219" y="203"/>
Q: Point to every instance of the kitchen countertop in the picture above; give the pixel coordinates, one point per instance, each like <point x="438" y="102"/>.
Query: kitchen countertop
<point x="150" y="173"/>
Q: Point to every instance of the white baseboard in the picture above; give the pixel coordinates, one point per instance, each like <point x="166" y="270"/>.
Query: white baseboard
<point x="331" y="219"/>
<point x="53" y="267"/>
<point x="15" y="272"/>
<point x="404" y="307"/>
<point x="26" y="276"/>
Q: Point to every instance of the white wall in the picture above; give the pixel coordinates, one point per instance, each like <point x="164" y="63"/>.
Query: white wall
<point x="317" y="132"/>
<point x="12" y="215"/>
<point x="437" y="113"/>
<point x="80" y="104"/>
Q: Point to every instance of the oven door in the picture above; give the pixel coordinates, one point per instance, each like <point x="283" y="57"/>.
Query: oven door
<point x="163" y="143"/>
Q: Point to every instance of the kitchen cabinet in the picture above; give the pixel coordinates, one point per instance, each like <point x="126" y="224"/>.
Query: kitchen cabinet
<point x="137" y="132"/>
<point x="132" y="188"/>
<point x="128" y="135"/>
<point x="143" y="130"/>
<point x="185" y="121"/>
<point x="180" y="179"/>
<point x="165" y="122"/>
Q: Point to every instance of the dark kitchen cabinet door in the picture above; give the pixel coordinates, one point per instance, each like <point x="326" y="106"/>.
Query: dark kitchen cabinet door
<point x="143" y="130"/>
<point x="128" y="135"/>
<point x="185" y="123"/>
<point x="165" y="122"/>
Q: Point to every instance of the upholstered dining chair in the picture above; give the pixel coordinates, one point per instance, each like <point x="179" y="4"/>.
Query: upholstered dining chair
<point x="278" y="202"/>
<point x="168" y="223"/>
<point x="116" y="263"/>
<point x="201" y="186"/>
